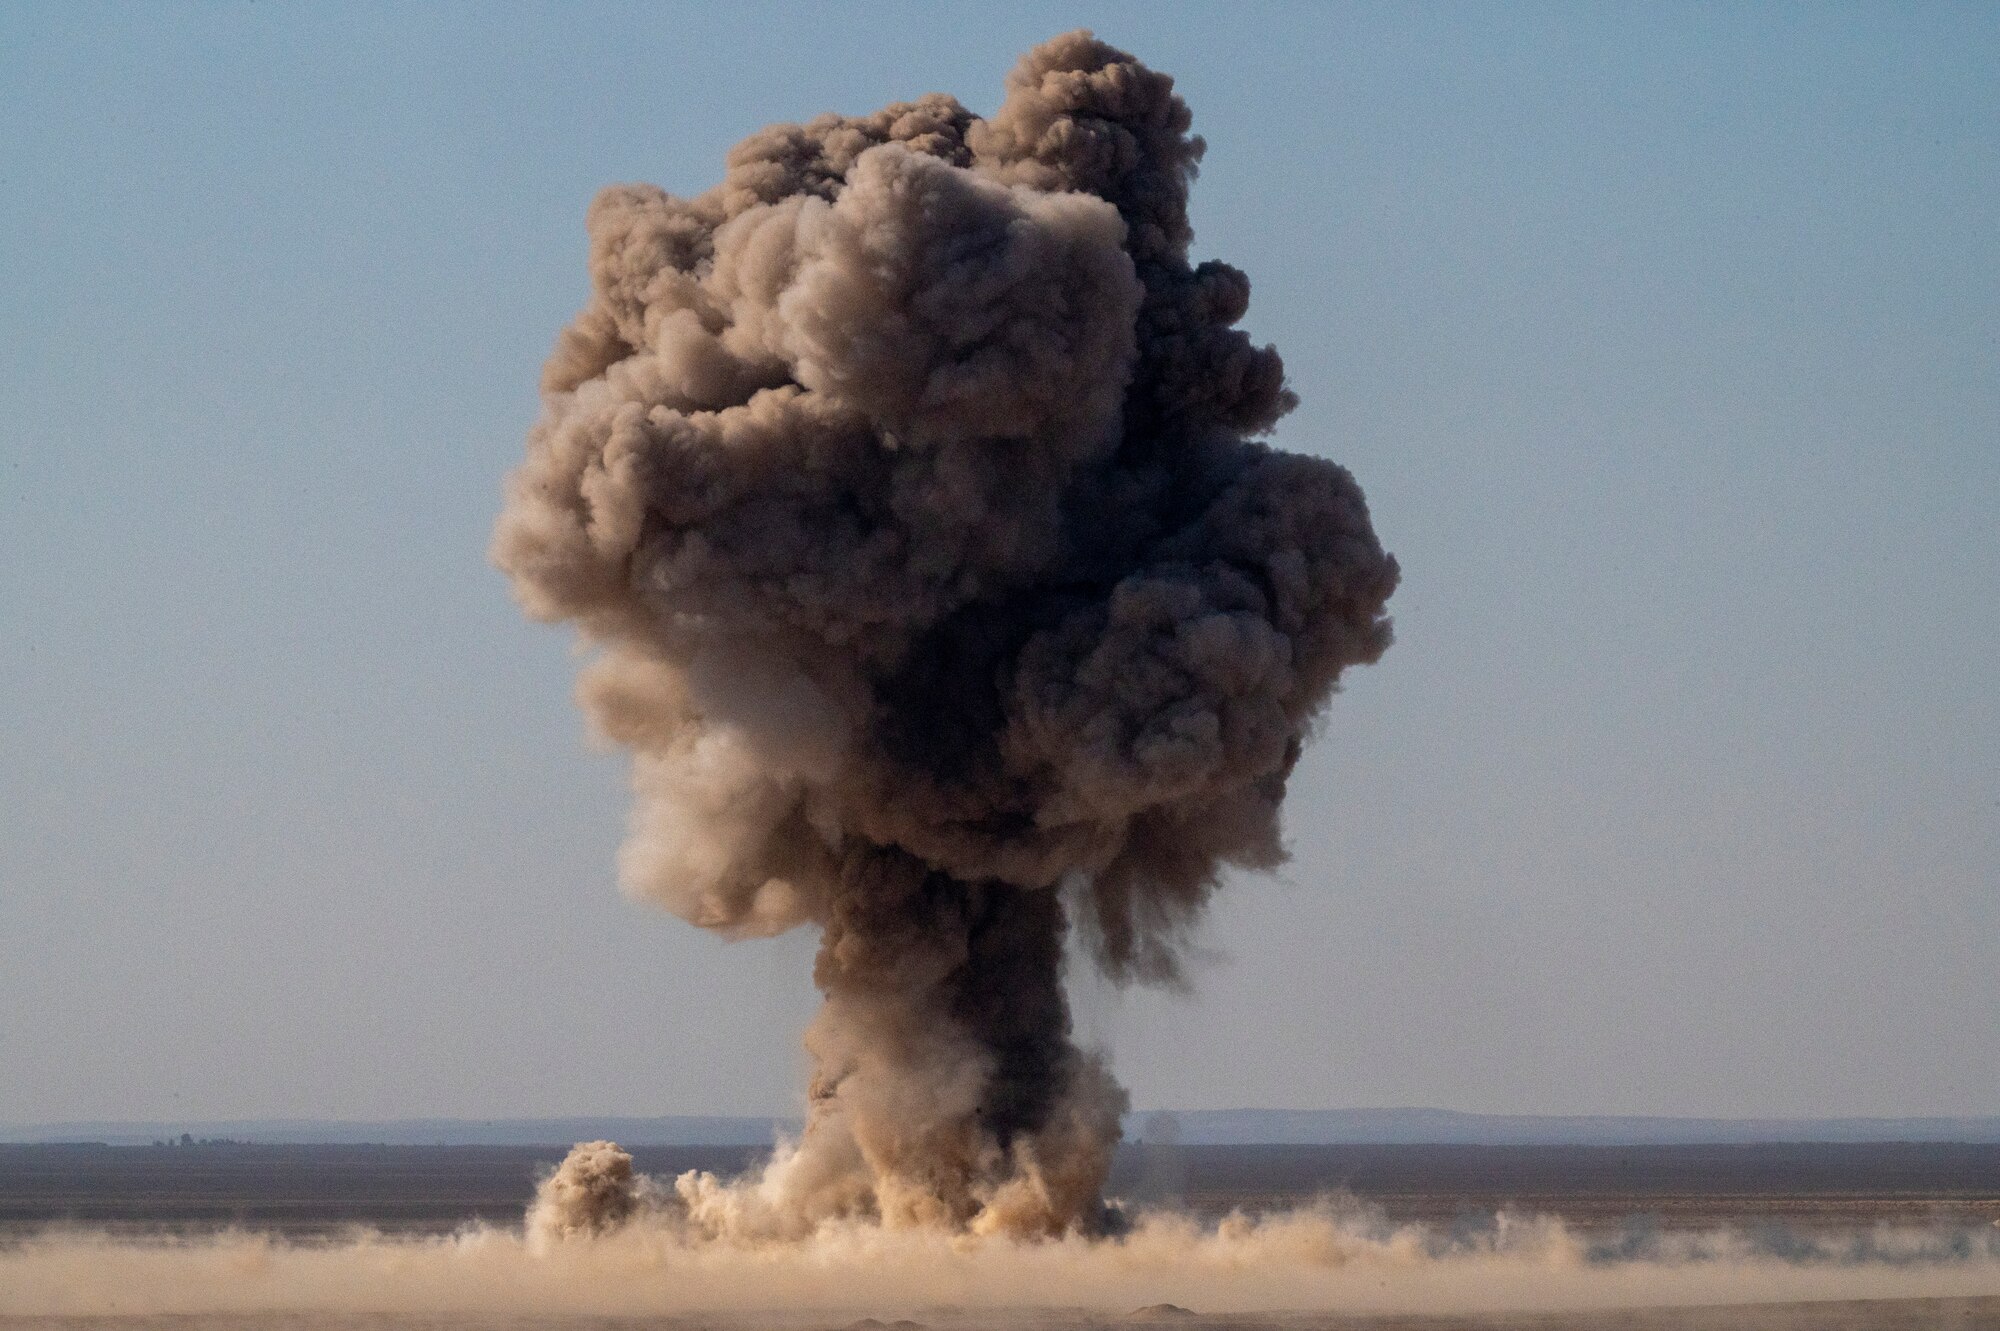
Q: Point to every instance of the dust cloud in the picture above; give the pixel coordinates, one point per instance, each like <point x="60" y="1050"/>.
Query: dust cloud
<point x="906" y="484"/>
<point x="1333" y="1258"/>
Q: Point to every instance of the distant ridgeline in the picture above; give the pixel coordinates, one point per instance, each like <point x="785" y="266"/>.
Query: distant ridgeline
<point x="1196" y="1127"/>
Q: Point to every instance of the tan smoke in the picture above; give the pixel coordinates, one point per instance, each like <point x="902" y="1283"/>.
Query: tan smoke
<point x="592" y="1192"/>
<point x="1335" y="1259"/>
<point x="905" y="482"/>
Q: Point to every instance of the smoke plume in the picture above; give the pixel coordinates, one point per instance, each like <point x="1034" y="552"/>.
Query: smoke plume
<point x="906" y="482"/>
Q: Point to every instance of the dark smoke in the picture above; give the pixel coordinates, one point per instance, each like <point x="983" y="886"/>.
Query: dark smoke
<point x="905" y="481"/>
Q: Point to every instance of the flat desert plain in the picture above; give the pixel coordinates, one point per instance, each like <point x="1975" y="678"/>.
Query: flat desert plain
<point x="1827" y="1237"/>
<point x="306" y="1189"/>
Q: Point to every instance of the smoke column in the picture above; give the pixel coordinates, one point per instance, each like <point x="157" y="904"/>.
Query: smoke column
<point x="906" y="481"/>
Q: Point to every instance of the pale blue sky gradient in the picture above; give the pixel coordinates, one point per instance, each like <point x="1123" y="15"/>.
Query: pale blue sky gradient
<point x="1665" y="340"/>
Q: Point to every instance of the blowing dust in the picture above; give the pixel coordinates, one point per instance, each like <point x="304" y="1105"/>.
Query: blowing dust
<point x="1331" y="1259"/>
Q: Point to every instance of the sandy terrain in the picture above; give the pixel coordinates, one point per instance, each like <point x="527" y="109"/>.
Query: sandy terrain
<point x="1974" y="1314"/>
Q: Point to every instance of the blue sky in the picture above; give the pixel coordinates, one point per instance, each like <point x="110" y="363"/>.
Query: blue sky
<point x="1662" y="338"/>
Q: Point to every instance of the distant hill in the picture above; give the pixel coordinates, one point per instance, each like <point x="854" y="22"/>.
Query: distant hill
<point x="1193" y="1127"/>
<point x="1334" y="1127"/>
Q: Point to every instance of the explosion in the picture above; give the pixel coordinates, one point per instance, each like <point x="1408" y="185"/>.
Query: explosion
<point x="906" y="482"/>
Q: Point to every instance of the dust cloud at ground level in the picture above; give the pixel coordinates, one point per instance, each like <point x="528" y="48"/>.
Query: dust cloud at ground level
<point x="1331" y="1261"/>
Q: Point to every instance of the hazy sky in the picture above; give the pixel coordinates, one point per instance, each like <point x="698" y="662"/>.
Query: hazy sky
<point x="1665" y="340"/>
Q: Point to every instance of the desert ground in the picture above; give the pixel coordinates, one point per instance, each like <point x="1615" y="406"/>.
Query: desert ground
<point x="1976" y="1314"/>
<point x="305" y="1190"/>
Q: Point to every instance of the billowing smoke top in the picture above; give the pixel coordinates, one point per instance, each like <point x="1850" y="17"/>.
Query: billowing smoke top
<point x="905" y="480"/>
